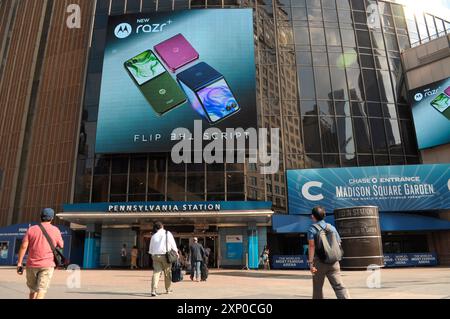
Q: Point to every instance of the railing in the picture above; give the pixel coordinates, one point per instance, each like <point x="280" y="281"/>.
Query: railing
<point x="429" y="38"/>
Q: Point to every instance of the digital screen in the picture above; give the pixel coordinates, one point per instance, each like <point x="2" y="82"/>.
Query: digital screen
<point x="145" y="67"/>
<point x="431" y="113"/>
<point x="142" y="103"/>
<point x="218" y="101"/>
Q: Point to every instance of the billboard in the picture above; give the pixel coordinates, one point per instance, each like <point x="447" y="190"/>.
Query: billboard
<point x="431" y="113"/>
<point x="391" y="188"/>
<point x="169" y="70"/>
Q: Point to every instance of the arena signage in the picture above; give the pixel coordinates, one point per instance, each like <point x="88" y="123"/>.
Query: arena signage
<point x="391" y="188"/>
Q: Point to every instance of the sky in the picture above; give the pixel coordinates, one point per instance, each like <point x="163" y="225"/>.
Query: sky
<point x="440" y="8"/>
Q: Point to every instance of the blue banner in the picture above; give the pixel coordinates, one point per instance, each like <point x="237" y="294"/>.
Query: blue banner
<point x="410" y="260"/>
<point x="391" y="188"/>
<point x="290" y="262"/>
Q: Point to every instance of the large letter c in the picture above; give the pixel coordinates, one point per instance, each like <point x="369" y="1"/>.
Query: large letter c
<point x="308" y="195"/>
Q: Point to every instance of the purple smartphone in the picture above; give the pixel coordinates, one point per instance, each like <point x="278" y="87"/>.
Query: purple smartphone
<point x="176" y="52"/>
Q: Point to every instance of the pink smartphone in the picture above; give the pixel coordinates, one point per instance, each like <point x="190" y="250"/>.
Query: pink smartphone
<point x="176" y="52"/>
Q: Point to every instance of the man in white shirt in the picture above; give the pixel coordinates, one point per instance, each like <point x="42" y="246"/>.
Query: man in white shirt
<point x="161" y="242"/>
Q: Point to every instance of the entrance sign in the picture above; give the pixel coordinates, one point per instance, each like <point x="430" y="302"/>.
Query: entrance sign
<point x="391" y="188"/>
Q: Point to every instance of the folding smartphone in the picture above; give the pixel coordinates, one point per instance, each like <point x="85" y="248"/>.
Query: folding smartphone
<point x="208" y="92"/>
<point x="157" y="85"/>
<point x="442" y="103"/>
<point x="176" y="52"/>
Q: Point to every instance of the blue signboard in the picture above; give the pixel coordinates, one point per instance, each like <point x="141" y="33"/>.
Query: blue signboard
<point x="290" y="262"/>
<point x="391" y="188"/>
<point x="235" y="247"/>
<point x="410" y="260"/>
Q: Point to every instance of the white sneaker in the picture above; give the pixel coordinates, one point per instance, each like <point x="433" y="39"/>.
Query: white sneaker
<point x="154" y="294"/>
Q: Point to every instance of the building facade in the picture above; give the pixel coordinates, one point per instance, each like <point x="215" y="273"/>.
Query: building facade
<point x="329" y="75"/>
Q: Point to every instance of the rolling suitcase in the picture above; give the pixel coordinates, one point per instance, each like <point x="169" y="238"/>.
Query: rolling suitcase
<point x="177" y="274"/>
<point x="204" y="272"/>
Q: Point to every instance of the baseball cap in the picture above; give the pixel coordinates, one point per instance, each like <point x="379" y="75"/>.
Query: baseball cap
<point x="47" y="214"/>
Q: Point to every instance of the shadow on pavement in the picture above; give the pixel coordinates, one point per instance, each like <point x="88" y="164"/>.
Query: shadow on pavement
<point x="260" y="275"/>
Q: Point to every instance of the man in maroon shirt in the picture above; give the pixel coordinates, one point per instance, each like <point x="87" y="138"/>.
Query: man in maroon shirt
<point x="40" y="262"/>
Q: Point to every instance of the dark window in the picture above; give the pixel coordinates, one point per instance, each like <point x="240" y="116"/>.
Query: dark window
<point x="235" y="183"/>
<point x="311" y="134"/>
<point x="306" y="83"/>
<point x="137" y="183"/>
<point x="362" y="135"/>
<point x="371" y="86"/>
<point x="339" y="84"/>
<point x="355" y="85"/>
<point x="119" y="184"/>
<point x="363" y="38"/>
<point x="329" y="134"/>
<point x="378" y="136"/>
<point x="322" y="81"/>
<point x="100" y="189"/>
<point x="345" y="131"/>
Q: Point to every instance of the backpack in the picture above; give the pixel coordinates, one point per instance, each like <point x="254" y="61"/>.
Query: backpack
<point x="328" y="248"/>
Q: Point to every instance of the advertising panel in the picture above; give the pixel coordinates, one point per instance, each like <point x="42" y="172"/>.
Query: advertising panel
<point x="235" y="247"/>
<point x="431" y="113"/>
<point x="192" y="70"/>
<point x="391" y="188"/>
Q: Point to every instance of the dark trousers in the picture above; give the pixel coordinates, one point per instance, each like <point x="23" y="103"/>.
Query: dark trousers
<point x="333" y="273"/>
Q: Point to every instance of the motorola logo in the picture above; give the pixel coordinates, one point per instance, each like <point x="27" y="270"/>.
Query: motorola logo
<point x="418" y="97"/>
<point x="123" y="30"/>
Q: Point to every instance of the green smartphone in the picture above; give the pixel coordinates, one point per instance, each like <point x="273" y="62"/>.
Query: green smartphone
<point x="442" y="104"/>
<point x="155" y="83"/>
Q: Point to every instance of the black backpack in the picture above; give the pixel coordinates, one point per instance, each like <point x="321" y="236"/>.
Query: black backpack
<point x="328" y="247"/>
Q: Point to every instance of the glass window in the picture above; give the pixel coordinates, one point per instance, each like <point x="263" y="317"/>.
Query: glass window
<point x="329" y="134"/>
<point x="409" y="137"/>
<point x="330" y="15"/>
<point x="314" y="15"/>
<point x="381" y="160"/>
<point x="397" y="10"/>
<point x="367" y="61"/>
<point x="311" y="134"/>
<point x="331" y="161"/>
<point x="344" y="4"/>
<point x="317" y="36"/>
<point x="137" y="184"/>
<point x="339" y="84"/>
<point x="138" y="165"/>
<point x="355" y="84"/>
<point x="119" y="184"/>
<point x="365" y="160"/>
<point x="362" y="135"/>
<point x="342" y="108"/>
<point x="196" y="178"/>
<point x="333" y="37"/>
<point x="313" y="161"/>
<point x="377" y="40"/>
<point x="358" y="5"/>
<point x="320" y="58"/>
<point x="391" y="42"/>
<point x="348" y="38"/>
<point x="384" y="81"/>
<point x="299" y="14"/>
<point x="215" y="182"/>
<point x="358" y="109"/>
<point x="313" y="4"/>
<point x="440" y="26"/>
<point x="306" y="83"/>
<point x="360" y="17"/>
<point x="345" y="134"/>
<point x="326" y="107"/>
<point x="301" y="36"/>
<point x="322" y="82"/>
<point x="393" y="136"/>
<point x="308" y="107"/>
<point x="348" y="160"/>
<point x="235" y="182"/>
<point x="120" y="165"/>
<point x="370" y="84"/>
<point x="363" y="38"/>
<point x="133" y="6"/>
<point x="304" y="58"/>
<point x="378" y="136"/>
<point x="100" y="189"/>
<point x="431" y="27"/>
<point x="102" y="166"/>
<point x="329" y="4"/>
<point x="345" y="17"/>
<point x="374" y="109"/>
<point x="423" y="33"/>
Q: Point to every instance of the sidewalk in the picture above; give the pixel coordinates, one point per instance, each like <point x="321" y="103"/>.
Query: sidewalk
<point x="124" y="284"/>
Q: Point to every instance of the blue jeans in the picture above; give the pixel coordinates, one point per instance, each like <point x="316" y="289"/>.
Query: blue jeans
<point x="197" y="269"/>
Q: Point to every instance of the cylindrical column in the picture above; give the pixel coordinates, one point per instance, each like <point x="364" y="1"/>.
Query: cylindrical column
<point x="359" y="228"/>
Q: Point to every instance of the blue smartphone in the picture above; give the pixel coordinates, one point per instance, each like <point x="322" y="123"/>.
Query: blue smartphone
<point x="209" y="93"/>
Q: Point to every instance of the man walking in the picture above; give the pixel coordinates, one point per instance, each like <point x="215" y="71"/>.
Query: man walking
<point x="197" y="257"/>
<point x="324" y="255"/>
<point x="40" y="262"/>
<point x="123" y="255"/>
<point x="162" y="242"/>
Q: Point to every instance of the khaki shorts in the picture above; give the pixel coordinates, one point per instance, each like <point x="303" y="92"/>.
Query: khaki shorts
<point x="38" y="279"/>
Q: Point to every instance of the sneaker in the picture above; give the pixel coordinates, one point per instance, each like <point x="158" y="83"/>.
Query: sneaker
<point x="154" y="294"/>
<point x="169" y="291"/>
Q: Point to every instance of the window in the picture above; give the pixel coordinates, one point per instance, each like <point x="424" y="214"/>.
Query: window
<point x="307" y="88"/>
<point x="311" y="134"/>
<point x="322" y="82"/>
<point x="362" y="135"/>
<point x="345" y="135"/>
<point x="329" y="134"/>
<point x="339" y="84"/>
<point x="378" y="136"/>
<point x="317" y="36"/>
